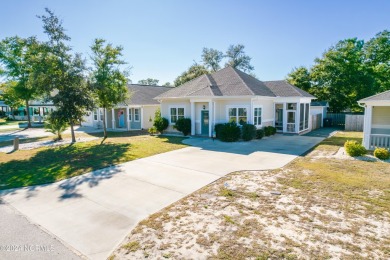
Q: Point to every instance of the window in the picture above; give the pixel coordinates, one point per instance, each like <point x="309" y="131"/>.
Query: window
<point x="176" y="113"/>
<point x="95" y="115"/>
<point x="257" y="116"/>
<point x="130" y="114"/>
<point x="136" y="114"/>
<point x="238" y="115"/>
<point x="307" y="116"/>
<point x="301" y="116"/>
<point x="291" y="106"/>
<point x="101" y="113"/>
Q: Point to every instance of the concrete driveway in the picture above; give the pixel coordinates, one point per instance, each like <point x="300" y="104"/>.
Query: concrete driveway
<point x="93" y="213"/>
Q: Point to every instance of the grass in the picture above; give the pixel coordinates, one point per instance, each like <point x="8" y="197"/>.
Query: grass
<point x="348" y="181"/>
<point x="5" y="122"/>
<point x="328" y="208"/>
<point x="46" y="165"/>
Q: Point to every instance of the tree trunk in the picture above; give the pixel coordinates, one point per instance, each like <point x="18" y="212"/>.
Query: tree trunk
<point x="72" y="131"/>
<point x="28" y="114"/>
<point x="12" y="113"/>
<point x="104" y="124"/>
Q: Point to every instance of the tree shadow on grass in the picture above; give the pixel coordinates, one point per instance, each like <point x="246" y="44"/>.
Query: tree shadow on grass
<point x="51" y="165"/>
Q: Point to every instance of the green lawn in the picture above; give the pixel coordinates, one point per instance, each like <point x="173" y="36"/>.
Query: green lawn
<point x="46" y="165"/>
<point x="16" y="123"/>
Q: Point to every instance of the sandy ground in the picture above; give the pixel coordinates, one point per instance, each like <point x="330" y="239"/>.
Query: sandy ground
<point x="250" y="215"/>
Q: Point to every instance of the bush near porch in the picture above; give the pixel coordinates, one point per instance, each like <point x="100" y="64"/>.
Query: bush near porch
<point x="232" y="132"/>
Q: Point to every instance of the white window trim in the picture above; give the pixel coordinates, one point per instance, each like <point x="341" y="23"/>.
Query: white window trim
<point x="177" y="115"/>
<point x="130" y="115"/>
<point x="101" y="111"/>
<point x="238" y="106"/>
<point x="139" y="114"/>
<point x="97" y="115"/>
<point x="261" y="115"/>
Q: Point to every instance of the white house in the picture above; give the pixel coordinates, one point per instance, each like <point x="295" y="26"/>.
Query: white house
<point x="319" y="108"/>
<point x="232" y="95"/>
<point x="376" y="120"/>
<point x="135" y="114"/>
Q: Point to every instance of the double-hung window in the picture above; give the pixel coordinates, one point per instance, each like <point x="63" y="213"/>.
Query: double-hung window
<point x="238" y="115"/>
<point x="257" y="113"/>
<point x="176" y="113"/>
<point x="136" y="114"/>
<point x="130" y="114"/>
<point x="95" y="115"/>
<point x="101" y="113"/>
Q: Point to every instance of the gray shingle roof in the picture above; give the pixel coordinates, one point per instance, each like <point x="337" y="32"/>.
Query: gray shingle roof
<point x="233" y="82"/>
<point x="282" y="88"/>
<point x="384" y="96"/>
<point x="144" y="94"/>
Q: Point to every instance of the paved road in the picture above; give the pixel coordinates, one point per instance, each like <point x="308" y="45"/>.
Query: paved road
<point x="94" y="212"/>
<point x="21" y="239"/>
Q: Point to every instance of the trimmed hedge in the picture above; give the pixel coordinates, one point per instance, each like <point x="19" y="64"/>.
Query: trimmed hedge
<point x="229" y="132"/>
<point x="354" y="148"/>
<point x="382" y="153"/>
<point x="183" y="125"/>
<point x="269" y="130"/>
<point x="248" y="132"/>
<point x="259" y="133"/>
<point x="217" y="129"/>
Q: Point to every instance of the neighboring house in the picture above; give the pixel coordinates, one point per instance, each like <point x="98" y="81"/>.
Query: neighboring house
<point x="319" y="107"/>
<point x="376" y="120"/>
<point x="5" y="108"/>
<point x="135" y="114"/>
<point x="232" y="95"/>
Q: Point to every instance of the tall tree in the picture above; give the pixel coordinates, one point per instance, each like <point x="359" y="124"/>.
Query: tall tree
<point x="339" y="76"/>
<point x="61" y="74"/>
<point x="108" y="80"/>
<point x="238" y="59"/>
<point x="211" y="58"/>
<point x="300" y="77"/>
<point x="148" y="81"/>
<point x="377" y="54"/>
<point x="192" y="72"/>
<point x="167" y="84"/>
<point x="18" y="57"/>
<point x="9" y="96"/>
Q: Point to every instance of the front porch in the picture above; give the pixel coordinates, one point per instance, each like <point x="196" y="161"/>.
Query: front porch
<point x="376" y="127"/>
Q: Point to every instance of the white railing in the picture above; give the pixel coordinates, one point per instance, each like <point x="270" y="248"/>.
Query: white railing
<point x="379" y="140"/>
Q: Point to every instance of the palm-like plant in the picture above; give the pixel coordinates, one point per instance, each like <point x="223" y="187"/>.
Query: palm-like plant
<point x="56" y="125"/>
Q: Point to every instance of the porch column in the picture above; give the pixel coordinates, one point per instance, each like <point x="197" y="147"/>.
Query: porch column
<point x="127" y="120"/>
<point x="113" y="118"/>
<point x="211" y="119"/>
<point x="298" y="117"/>
<point x="367" y="126"/>
<point x="192" y="118"/>
<point x="142" y="117"/>
<point x="105" y="112"/>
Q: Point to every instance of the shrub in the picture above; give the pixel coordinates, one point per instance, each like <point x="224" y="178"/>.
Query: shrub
<point x="230" y="132"/>
<point x="248" y="132"/>
<point x="152" y="130"/>
<point x="2" y="113"/>
<point x="382" y="153"/>
<point x="55" y="124"/>
<point x="267" y="131"/>
<point x="217" y="129"/>
<point x="273" y="130"/>
<point x="183" y="125"/>
<point x="259" y="133"/>
<point x="160" y="123"/>
<point x="354" y="148"/>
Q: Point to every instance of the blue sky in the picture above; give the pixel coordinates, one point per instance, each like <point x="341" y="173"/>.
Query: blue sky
<point x="161" y="39"/>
